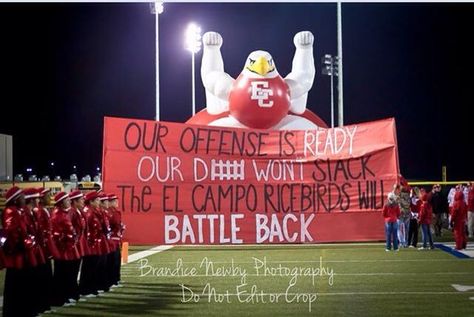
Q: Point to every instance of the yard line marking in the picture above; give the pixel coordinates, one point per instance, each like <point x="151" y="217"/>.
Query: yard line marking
<point x="325" y="261"/>
<point x="143" y="254"/>
<point x="339" y="293"/>
<point x="462" y="288"/>
<point x="387" y="293"/>
<point x="340" y="274"/>
<point x="296" y="245"/>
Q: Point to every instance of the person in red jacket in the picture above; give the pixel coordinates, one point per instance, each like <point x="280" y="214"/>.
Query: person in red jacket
<point x="79" y="223"/>
<point x="36" y="255"/>
<point x="105" y="262"/>
<point x="425" y="218"/>
<point x="458" y="220"/>
<point x="45" y="239"/>
<point x="65" y="239"/>
<point x="391" y="213"/>
<point x="16" y="290"/>
<point x="117" y="228"/>
<point x="470" y="210"/>
<point x="91" y="277"/>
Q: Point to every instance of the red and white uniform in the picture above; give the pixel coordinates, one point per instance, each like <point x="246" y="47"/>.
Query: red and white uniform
<point x="106" y="216"/>
<point x="15" y="233"/>
<point x="96" y="237"/>
<point x="79" y="223"/>
<point x="116" y="226"/>
<point x="44" y="236"/>
<point x="34" y="250"/>
<point x="64" y="235"/>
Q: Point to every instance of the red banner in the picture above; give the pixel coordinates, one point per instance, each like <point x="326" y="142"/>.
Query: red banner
<point x="188" y="184"/>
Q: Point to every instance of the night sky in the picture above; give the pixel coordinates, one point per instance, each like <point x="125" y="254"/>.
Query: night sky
<point x="66" y="66"/>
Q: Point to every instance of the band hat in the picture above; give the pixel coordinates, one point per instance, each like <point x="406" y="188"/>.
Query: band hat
<point x="103" y="196"/>
<point x="43" y="191"/>
<point x="76" y="194"/>
<point x="31" y="193"/>
<point x="91" y="196"/>
<point x="12" y="193"/>
<point x="59" y="197"/>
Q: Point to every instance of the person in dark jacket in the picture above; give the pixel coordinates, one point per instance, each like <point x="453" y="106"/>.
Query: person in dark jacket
<point x="437" y="202"/>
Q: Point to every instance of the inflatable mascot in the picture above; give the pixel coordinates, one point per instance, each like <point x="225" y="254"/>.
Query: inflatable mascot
<point x="259" y="98"/>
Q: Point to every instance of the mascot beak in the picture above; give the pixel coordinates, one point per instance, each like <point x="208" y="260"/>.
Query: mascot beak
<point x="260" y="66"/>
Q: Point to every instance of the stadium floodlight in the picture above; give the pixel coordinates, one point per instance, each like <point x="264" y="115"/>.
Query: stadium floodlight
<point x="330" y="68"/>
<point x="29" y="170"/>
<point x="193" y="44"/>
<point x="157" y="8"/>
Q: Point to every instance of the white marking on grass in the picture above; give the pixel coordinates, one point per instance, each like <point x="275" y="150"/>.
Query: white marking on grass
<point x="143" y="254"/>
<point x="325" y="261"/>
<point x="387" y="293"/>
<point x="291" y="245"/>
<point x="343" y="293"/>
<point x="471" y="298"/>
<point x="336" y="274"/>
<point x="462" y="288"/>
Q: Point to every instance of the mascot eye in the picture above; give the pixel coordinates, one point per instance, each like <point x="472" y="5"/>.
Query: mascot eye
<point x="270" y="62"/>
<point x="252" y="61"/>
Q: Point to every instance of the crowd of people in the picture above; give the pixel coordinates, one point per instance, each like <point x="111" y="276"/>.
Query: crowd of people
<point x="58" y="257"/>
<point x="409" y="209"/>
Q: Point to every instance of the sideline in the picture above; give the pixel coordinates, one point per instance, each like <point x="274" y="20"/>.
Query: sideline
<point x="468" y="253"/>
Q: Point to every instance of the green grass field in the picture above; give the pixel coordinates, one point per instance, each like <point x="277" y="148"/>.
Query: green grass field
<point x="366" y="281"/>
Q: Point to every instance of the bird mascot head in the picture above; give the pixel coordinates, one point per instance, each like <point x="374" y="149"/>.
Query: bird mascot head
<point x="260" y="97"/>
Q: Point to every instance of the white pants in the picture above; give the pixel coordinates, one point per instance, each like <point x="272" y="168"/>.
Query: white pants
<point x="470" y="223"/>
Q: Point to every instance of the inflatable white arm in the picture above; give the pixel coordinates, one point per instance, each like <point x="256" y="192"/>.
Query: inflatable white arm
<point x="216" y="82"/>
<point x="301" y="78"/>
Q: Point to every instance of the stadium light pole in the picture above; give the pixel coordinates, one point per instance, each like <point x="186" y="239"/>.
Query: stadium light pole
<point x="157" y="8"/>
<point x="339" y="65"/>
<point x="193" y="44"/>
<point x="330" y="68"/>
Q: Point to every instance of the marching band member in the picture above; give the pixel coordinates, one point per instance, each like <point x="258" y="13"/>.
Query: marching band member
<point x="14" y="245"/>
<point x="45" y="240"/>
<point x="79" y="224"/>
<point x="117" y="228"/>
<point x="105" y="262"/>
<point x="65" y="239"/>
<point x="96" y="245"/>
